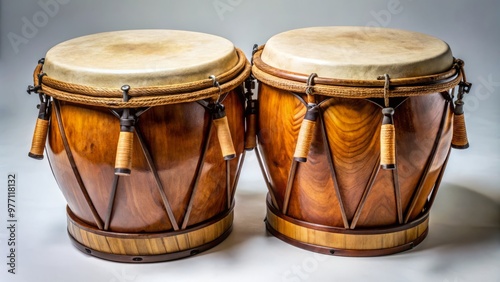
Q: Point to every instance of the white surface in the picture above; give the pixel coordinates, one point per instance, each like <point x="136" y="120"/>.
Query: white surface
<point x="464" y="239"/>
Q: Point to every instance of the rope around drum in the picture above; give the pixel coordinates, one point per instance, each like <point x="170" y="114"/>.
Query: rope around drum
<point x="197" y="90"/>
<point x="344" y="88"/>
<point x="143" y="96"/>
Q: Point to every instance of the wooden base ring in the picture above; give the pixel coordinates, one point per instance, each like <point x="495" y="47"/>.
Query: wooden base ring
<point x="148" y="247"/>
<point x="346" y="242"/>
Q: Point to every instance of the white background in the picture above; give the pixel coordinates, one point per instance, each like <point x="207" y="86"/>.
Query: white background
<point x="464" y="239"/>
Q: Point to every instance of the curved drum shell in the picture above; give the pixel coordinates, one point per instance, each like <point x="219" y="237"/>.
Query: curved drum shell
<point x="82" y="146"/>
<point x="340" y="201"/>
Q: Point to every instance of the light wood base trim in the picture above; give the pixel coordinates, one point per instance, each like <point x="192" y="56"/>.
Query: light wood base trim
<point x="148" y="247"/>
<point x="346" y="242"/>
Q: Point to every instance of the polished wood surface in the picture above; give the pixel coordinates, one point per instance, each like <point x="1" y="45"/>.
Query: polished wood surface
<point x="175" y="136"/>
<point x="342" y="184"/>
<point x="335" y="242"/>
<point x="224" y="136"/>
<point x="147" y="247"/>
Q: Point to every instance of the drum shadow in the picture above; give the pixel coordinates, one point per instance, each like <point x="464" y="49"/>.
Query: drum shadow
<point x="462" y="220"/>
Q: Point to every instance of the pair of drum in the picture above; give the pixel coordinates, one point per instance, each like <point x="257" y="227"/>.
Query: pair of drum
<point x="147" y="132"/>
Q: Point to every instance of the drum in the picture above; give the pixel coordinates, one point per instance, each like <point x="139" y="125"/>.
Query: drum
<point x="355" y="126"/>
<point x="145" y="139"/>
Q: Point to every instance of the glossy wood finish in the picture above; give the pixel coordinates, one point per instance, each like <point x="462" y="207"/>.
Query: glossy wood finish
<point x="148" y="247"/>
<point x="334" y="241"/>
<point x="342" y="185"/>
<point x="178" y="177"/>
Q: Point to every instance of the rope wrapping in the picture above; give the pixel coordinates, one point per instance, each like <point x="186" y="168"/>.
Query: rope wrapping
<point x="459" y="139"/>
<point x="123" y="161"/>
<point x="39" y="139"/>
<point x="145" y="96"/>
<point x="387" y="131"/>
<point x="354" y="92"/>
<point x="357" y="89"/>
<point x="363" y="89"/>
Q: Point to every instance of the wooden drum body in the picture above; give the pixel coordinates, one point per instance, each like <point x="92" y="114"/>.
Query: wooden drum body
<point x="337" y="198"/>
<point x="178" y="198"/>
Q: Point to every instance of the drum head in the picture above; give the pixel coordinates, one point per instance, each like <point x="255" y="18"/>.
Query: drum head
<point x="357" y="52"/>
<point x="140" y="58"/>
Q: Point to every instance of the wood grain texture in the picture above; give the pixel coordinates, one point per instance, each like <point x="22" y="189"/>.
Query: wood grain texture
<point x="278" y="155"/>
<point x="346" y="243"/>
<point x="224" y="136"/>
<point x="62" y="168"/>
<point x="372" y="198"/>
<point x="174" y="134"/>
<point x="251" y="131"/>
<point x="353" y="127"/>
<point x="147" y="244"/>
